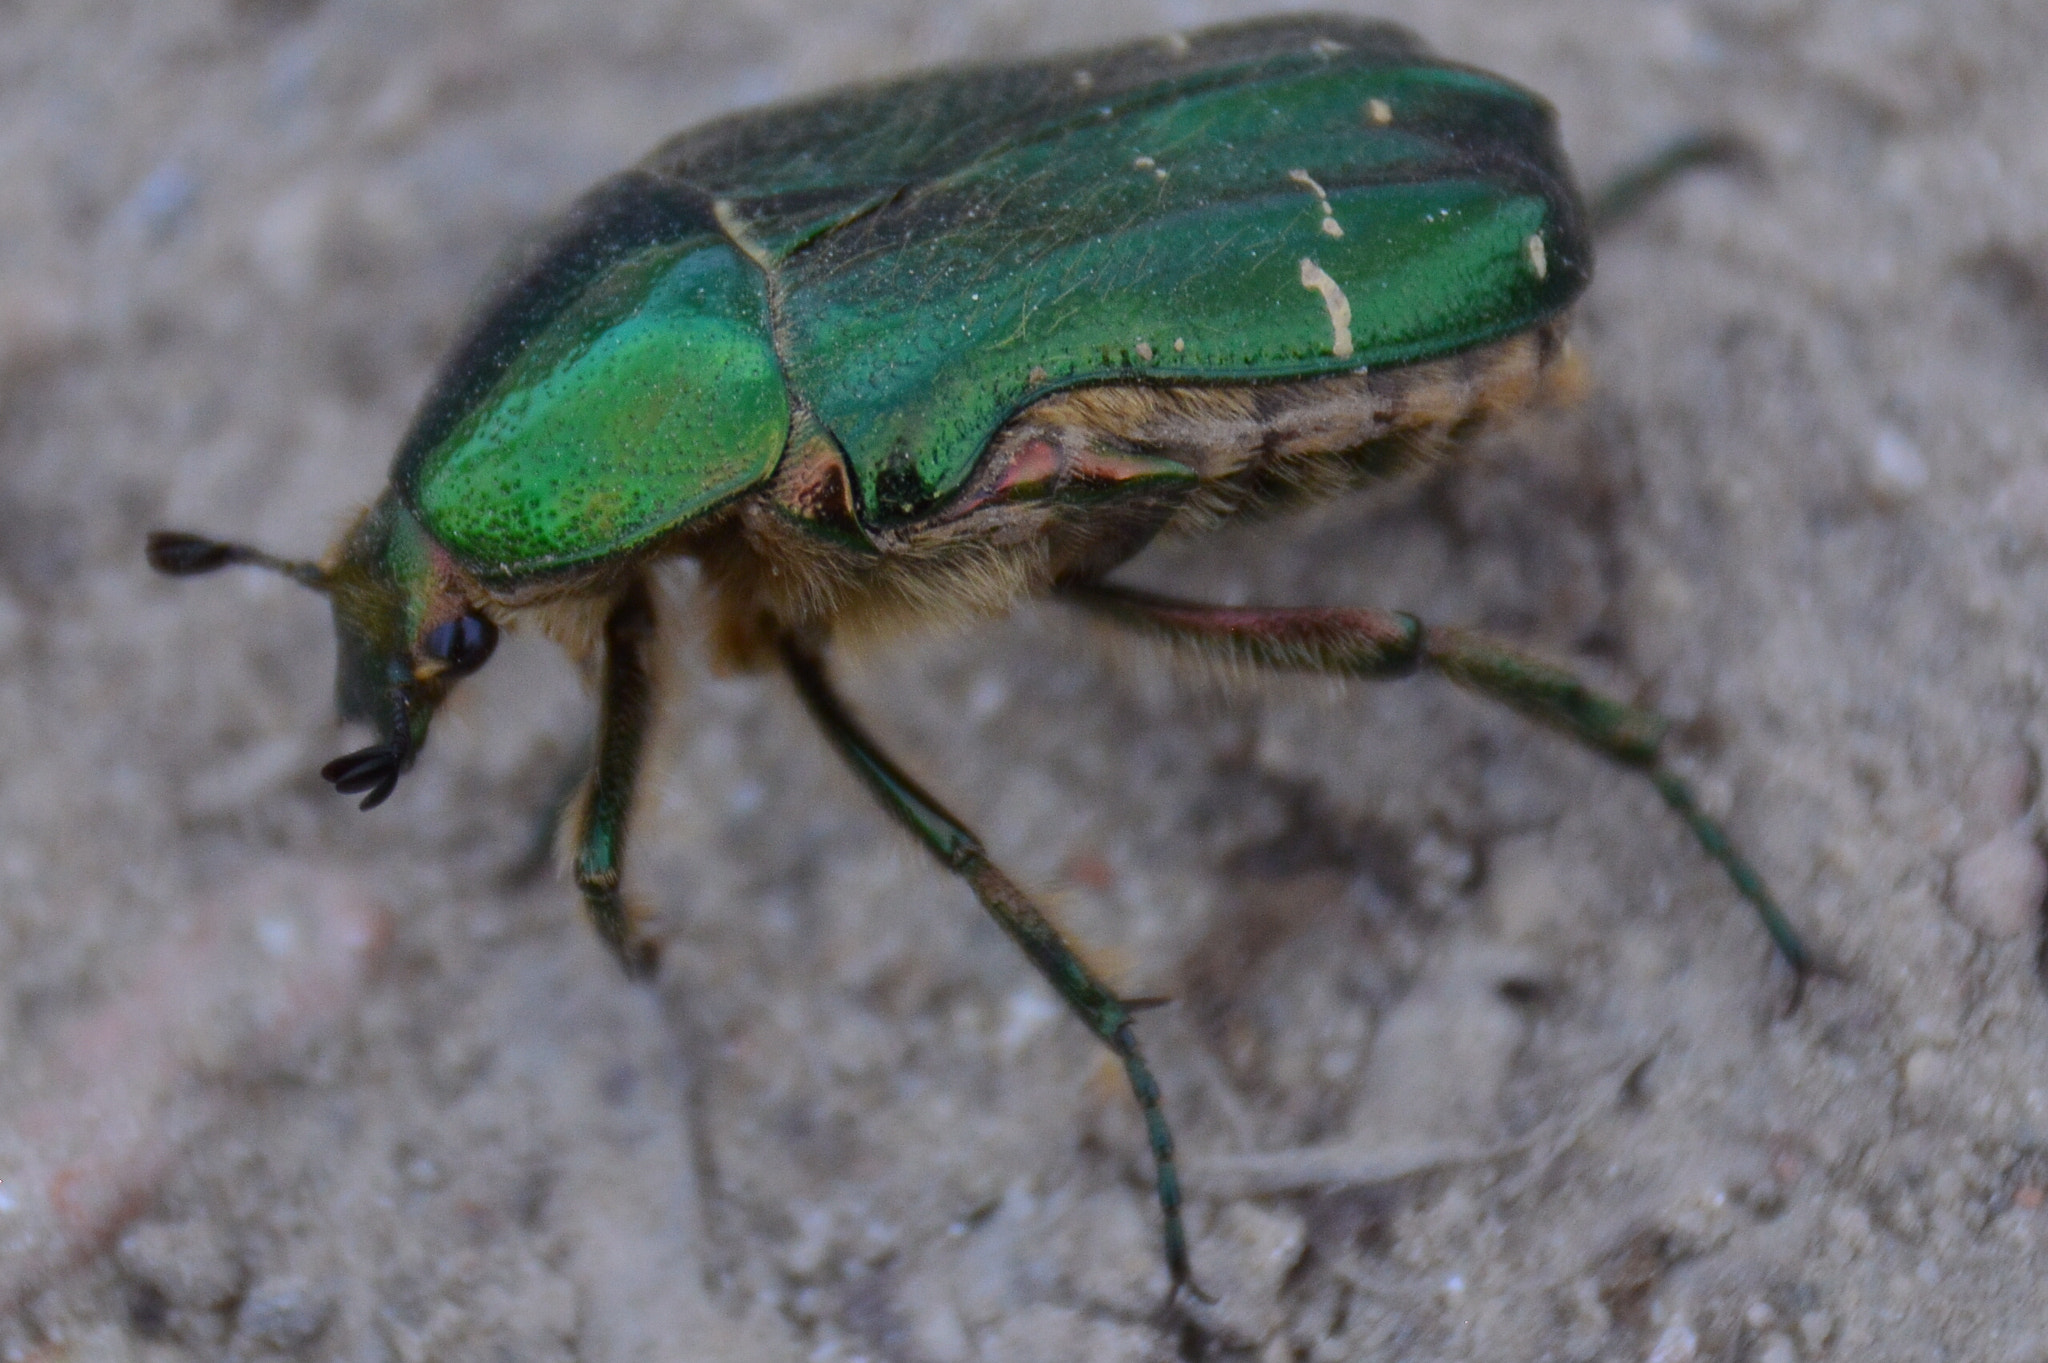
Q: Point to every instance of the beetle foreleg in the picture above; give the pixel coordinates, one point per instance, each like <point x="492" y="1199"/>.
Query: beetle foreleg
<point x="625" y="710"/>
<point x="1380" y="644"/>
<point x="955" y="845"/>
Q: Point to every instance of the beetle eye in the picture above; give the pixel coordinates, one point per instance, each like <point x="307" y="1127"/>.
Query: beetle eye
<point x="464" y="643"/>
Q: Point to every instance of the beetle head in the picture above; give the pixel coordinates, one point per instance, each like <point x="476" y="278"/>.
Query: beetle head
<point x="405" y="623"/>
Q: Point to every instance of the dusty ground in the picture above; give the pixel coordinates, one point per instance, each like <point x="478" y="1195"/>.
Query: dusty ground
<point x="1474" y="1057"/>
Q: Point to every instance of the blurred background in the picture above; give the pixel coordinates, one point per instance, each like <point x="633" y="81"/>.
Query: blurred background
<point x="1473" y="1055"/>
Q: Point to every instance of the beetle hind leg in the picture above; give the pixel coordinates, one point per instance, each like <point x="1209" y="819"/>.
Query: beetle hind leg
<point x="1629" y="190"/>
<point x="1376" y="644"/>
<point x="955" y="845"/>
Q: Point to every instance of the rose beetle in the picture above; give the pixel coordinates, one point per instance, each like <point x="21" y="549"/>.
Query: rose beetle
<point x="922" y="349"/>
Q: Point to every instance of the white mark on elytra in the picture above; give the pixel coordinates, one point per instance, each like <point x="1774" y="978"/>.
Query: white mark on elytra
<point x="1308" y="181"/>
<point x="1327" y="47"/>
<point x="1379" y="111"/>
<point x="1084" y="79"/>
<point x="1339" y="307"/>
<point x="742" y="236"/>
<point x="1176" y="44"/>
<point x="1037" y="374"/>
<point x="1539" y="260"/>
<point x="1145" y="351"/>
<point x="1179" y="345"/>
<point x="1143" y="163"/>
<point x="1331" y="227"/>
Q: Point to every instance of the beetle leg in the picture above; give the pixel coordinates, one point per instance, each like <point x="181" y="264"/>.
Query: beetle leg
<point x="955" y="845"/>
<point x="625" y="710"/>
<point x="1632" y="187"/>
<point x="1380" y="644"/>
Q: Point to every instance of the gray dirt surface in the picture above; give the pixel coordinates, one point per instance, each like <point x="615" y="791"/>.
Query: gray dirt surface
<point x="1474" y="1056"/>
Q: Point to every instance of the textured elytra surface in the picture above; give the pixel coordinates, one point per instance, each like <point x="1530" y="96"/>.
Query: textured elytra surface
<point x="1141" y="211"/>
<point x="941" y="249"/>
<point x="1803" y="510"/>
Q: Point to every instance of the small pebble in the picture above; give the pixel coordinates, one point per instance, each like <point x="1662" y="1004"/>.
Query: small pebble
<point x="161" y="203"/>
<point x="1998" y="788"/>
<point x="940" y="1336"/>
<point x="1775" y="1348"/>
<point x="1253" y="1249"/>
<point x="289" y="236"/>
<point x="185" y="1261"/>
<point x="1044" y="1331"/>
<point x="1926" y="1071"/>
<point x="1897" y="470"/>
<point x="2020" y="508"/>
<point x="285" y="1313"/>
<point x="813" y="1243"/>
<point x="1264" y="1246"/>
<point x="1850" y="1226"/>
<point x="39" y="323"/>
<point x="1526" y="894"/>
<point x="1678" y="1344"/>
<point x="1999" y="884"/>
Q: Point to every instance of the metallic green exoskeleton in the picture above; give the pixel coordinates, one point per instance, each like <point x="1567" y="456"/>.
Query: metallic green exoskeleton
<point x="921" y="349"/>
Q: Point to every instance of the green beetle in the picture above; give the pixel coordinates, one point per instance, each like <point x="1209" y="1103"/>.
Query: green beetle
<point x="929" y="347"/>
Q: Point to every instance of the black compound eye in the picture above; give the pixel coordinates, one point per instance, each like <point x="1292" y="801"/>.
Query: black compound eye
<point x="464" y="643"/>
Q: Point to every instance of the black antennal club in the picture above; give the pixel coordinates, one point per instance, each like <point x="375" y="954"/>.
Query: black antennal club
<point x="178" y="554"/>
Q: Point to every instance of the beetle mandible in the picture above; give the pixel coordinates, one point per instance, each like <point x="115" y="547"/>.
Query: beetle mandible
<point x="937" y="345"/>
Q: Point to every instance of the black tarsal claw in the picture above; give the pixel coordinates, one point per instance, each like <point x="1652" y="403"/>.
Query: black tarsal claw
<point x="372" y="769"/>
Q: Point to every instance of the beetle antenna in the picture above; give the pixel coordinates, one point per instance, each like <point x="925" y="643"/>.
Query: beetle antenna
<point x="177" y="554"/>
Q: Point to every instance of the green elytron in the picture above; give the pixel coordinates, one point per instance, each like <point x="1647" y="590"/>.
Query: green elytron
<point x="922" y="349"/>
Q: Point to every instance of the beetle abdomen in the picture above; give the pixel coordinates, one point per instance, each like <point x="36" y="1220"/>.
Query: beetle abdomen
<point x="1081" y="480"/>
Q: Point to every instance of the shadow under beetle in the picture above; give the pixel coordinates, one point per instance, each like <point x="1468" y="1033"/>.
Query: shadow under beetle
<point x="930" y="347"/>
